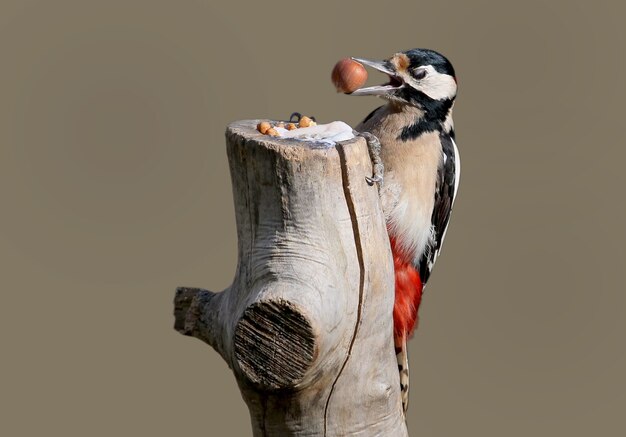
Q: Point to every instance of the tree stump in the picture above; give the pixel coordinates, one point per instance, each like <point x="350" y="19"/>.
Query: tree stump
<point x="307" y="324"/>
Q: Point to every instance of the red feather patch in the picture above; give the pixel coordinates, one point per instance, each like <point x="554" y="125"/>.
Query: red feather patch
<point x="408" y="294"/>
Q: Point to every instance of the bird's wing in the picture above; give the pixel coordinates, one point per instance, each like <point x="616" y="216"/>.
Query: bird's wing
<point x="447" y="186"/>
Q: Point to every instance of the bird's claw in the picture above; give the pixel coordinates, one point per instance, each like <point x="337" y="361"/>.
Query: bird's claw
<point x="376" y="178"/>
<point x="373" y="146"/>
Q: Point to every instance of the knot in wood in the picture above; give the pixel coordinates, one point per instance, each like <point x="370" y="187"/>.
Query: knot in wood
<point x="274" y="344"/>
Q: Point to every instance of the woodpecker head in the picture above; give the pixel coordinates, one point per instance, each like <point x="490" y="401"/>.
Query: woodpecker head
<point x="420" y="78"/>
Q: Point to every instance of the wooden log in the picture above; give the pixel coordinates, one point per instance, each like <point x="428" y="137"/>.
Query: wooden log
<point x="306" y="325"/>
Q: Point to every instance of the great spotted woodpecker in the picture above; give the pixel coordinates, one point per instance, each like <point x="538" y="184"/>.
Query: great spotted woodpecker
<point x="422" y="168"/>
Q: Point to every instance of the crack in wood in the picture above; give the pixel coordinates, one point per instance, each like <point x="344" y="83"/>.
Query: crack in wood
<point x="359" y="251"/>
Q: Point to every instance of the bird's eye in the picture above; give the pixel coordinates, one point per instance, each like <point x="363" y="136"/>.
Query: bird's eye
<point x="420" y="73"/>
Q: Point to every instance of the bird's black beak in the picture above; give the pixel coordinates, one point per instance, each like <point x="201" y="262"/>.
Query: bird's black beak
<point x="395" y="82"/>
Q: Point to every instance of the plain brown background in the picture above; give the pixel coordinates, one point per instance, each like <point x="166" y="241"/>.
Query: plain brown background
<point x="115" y="189"/>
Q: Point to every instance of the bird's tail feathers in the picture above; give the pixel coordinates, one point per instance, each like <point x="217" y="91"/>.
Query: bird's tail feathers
<point x="403" y="369"/>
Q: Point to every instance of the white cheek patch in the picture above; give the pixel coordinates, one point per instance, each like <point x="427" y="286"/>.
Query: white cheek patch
<point x="437" y="86"/>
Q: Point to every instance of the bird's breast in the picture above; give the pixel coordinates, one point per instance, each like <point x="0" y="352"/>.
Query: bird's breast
<point x="408" y="193"/>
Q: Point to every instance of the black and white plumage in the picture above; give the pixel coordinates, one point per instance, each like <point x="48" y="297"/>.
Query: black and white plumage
<point x="447" y="186"/>
<point x="422" y="170"/>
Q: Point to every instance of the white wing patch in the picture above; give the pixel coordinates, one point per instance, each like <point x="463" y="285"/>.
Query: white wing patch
<point x="457" y="170"/>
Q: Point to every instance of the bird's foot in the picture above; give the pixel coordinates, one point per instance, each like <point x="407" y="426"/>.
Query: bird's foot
<point x="373" y="146"/>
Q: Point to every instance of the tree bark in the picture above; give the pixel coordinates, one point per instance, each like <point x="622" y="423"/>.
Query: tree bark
<point x="306" y="325"/>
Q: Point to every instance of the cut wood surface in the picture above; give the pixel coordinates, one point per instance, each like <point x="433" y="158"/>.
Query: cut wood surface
<point x="306" y="325"/>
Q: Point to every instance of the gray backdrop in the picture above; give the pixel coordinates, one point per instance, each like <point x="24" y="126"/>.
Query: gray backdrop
<point x="115" y="189"/>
